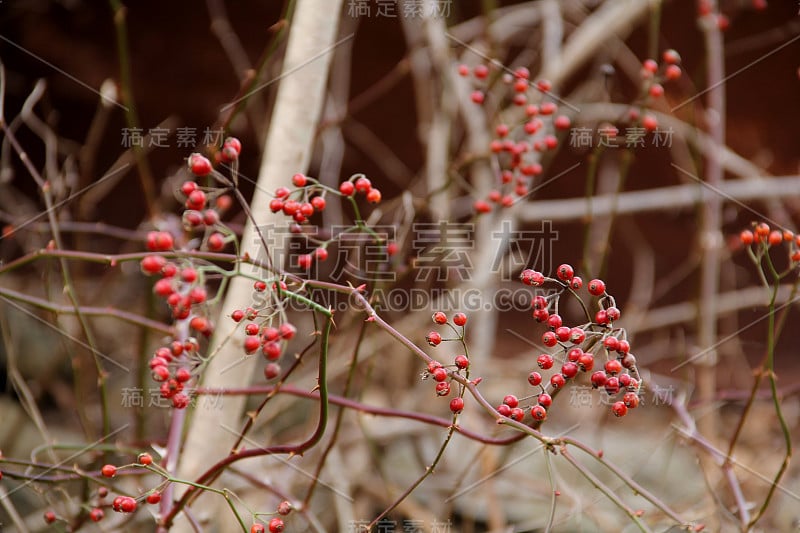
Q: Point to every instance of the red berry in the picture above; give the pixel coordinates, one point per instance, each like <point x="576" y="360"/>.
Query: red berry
<point x="545" y="400"/>
<point x="216" y="242"/>
<point x="439" y="317"/>
<point x="477" y="97"/>
<point x="251" y="344"/>
<point x="481" y="207"/>
<point x="433" y="338"/>
<point x="145" y="459"/>
<point x="463" y="70"/>
<point x="574" y="354"/>
<point x="597" y="287"/>
<point x="287" y="331"/>
<point x="196" y="200"/>
<point x="544" y="85"/>
<point x="457" y="405"/>
<point x="459" y="319"/>
<point x="562" y="334"/>
<point x="108" y="470"/>
<point x="160" y="373"/>
<point x="127" y="505"/>
<point x="534" y="378"/>
<point x="257" y="528"/>
<point x="237" y="315"/>
<point x="199" y="165"/>
<point x="555" y="321"/>
<point x="624" y="348"/>
<point x="598" y="379"/>
<point x="374" y="196"/>
<point x="439" y="374"/>
<point x="532" y="277"/>
<point x="672" y="72"/>
<point x="540" y="302"/>
<point x="442" y="388"/>
<point x="611" y="385"/>
<point x="228" y="154"/>
<point x="649" y="122"/>
<point x="619" y="409"/>
<point x="504" y="410"/>
<point x="461" y="361"/>
<point x="586" y="362"/>
<point x="577" y="335"/>
<point x="548" y="108"/>
<point x="299" y="180"/>
<point x="517" y="414"/>
<point x="611" y="343"/>
<point x="613" y="314"/>
<point x="545" y="361"/>
<point x="272" y="350"/>
<point x="565" y="272"/>
<point x="234" y="144"/>
<point x="541" y="315"/>
<point x="650" y="66"/>
<point x="272" y="370"/>
<point x="561" y="122"/>
<point x="569" y="370"/>
<point x="152" y="264"/>
<point x="96" y="514"/>
<point x="49" y="517"/>
<point x="549" y="339"/>
<point x="671" y="56"/>
<point x="318" y="203"/>
<point x="601" y="317"/>
<point x="613" y="366"/>
<point x="656" y="90"/>
<point x="347" y="188"/>
<point x="557" y="381"/>
<point x="481" y="71"/>
<point x="631" y="399"/>
<point x="576" y="283"/>
<point x="188" y="187"/>
<point x="433" y="365"/>
<point x="511" y="401"/>
<point x="180" y="401"/>
<point x="538" y="412"/>
<point x="275" y="525"/>
<point x="363" y="185"/>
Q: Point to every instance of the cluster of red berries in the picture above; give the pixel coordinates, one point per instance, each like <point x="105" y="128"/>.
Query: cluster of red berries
<point x="120" y="504"/>
<point x="653" y="76"/>
<point x="182" y="289"/>
<point x="198" y="217"/>
<point x="763" y="236"/>
<point x="578" y="347"/>
<point x="170" y="367"/>
<point x="517" y="146"/>
<point x="308" y="197"/>
<point x="460" y="363"/>
<point x="262" y="335"/>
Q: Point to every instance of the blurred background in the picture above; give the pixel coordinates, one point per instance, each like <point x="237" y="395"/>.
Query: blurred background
<point x="397" y="111"/>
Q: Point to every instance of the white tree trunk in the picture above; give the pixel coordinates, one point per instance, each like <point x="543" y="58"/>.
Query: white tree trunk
<point x="287" y="150"/>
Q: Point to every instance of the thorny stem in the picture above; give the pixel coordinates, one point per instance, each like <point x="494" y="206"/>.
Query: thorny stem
<point x="599" y="485"/>
<point x="428" y="471"/>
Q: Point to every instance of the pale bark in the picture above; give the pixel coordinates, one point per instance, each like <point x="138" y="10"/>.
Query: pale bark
<point x="298" y="105"/>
